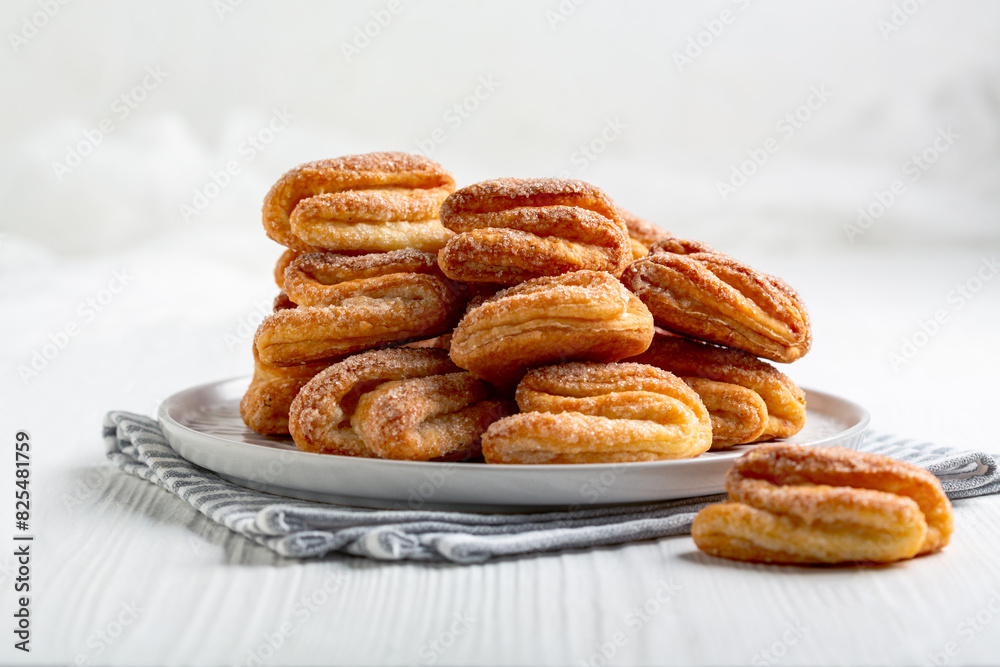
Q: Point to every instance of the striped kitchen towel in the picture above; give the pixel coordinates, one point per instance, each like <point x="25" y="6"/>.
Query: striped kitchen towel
<point x="301" y="529"/>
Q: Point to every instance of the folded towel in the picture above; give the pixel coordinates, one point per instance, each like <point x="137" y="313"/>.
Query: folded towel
<point x="301" y="529"/>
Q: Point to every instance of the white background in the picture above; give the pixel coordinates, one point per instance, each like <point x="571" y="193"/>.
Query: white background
<point x="560" y="74"/>
<point x="560" y="81"/>
<point x="190" y="288"/>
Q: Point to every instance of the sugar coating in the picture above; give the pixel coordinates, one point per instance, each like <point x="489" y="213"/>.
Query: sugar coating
<point x="795" y="504"/>
<point x="642" y="230"/>
<point x="713" y="297"/>
<point x="725" y="371"/>
<point x="376" y="204"/>
<point x="385" y="171"/>
<point x="584" y="315"/>
<point x="511" y="230"/>
<point x="393" y="403"/>
<point x="330" y="268"/>
<point x="389" y="309"/>
<point x="501" y="193"/>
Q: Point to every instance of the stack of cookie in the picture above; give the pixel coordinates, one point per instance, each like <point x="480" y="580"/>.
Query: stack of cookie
<point x="423" y="323"/>
<point x="360" y="271"/>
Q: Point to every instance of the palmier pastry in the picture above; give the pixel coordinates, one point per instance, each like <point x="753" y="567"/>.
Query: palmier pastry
<point x="360" y="203"/>
<point x="264" y="407"/>
<point x="749" y="400"/>
<point x="441" y="417"/>
<point x="642" y="233"/>
<point x="579" y="316"/>
<point x="510" y="230"/>
<point x="694" y="291"/>
<point x="600" y="413"/>
<point x="380" y="307"/>
<point x="792" y="504"/>
<point x="398" y="403"/>
<point x="286" y="258"/>
<point x="326" y="278"/>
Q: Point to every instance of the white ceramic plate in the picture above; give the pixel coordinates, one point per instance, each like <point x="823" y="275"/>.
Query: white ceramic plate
<point x="204" y="426"/>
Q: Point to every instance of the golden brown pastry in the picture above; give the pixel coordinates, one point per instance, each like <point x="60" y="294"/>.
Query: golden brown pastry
<point x="327" y="278"/>
<point x="694" y="291"/>
<point x="286" y="258"/>
<point x="679" y="246"/>
<point x="360" y="203"/>
<point x="600" y="413"/>
<point x="398" y="403"/>
<point x="438" y="342"/>
<point x="793" y="504"/>
<point x="441" y="417"/>
<point x="642" y="233"/>
<point x="264" y="407"/>
<point x="739" y="415"/>
<point x="282" y="302"/>
<point x="356" y="315"/>
<point x="749" y="400"/>
<point x="510" y="230"/>
<point x="579" y="316"/>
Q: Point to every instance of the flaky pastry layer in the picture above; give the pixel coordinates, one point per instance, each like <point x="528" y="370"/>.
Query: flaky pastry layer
<point x="584" y="315"/>
<point x="324" y="279"/>
<point x="369" y="202"/>
<point x="265" y="405"/>
<point x="812" y="505"/>
<point x="712" y="297"/>
<point x="404" y="403"/>
<point x="427" y="418"/>
<point x="749" y="399"/>
<point x="600" y="413"/>
<point x="510" y="230"/>
<point x="396" y="308"/>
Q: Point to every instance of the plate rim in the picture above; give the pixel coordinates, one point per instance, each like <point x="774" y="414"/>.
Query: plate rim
<point x="163" y="414"/>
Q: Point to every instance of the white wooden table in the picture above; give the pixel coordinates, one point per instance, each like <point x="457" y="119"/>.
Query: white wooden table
<point x="124" y="573"/>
